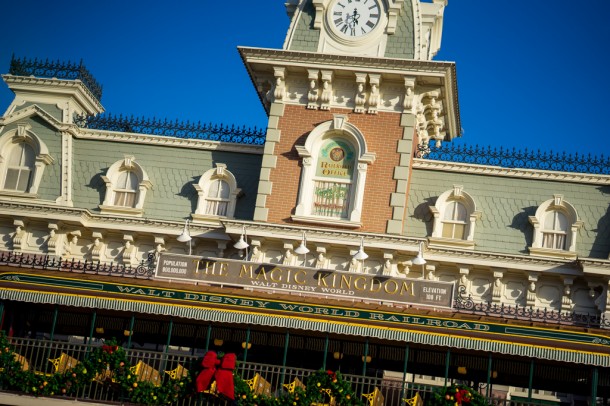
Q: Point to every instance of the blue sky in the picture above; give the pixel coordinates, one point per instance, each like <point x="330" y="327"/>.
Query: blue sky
<point x="530" y="73"/>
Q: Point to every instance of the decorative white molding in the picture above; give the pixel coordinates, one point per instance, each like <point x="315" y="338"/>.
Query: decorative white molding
<point x="419" y="163"/>
<point x="563" y="208"/>
<point x="496" y="294"/>
<point x="53" y="91"/>
<point x="128" y="256"/>
<point x="23" y="134"/>
<point x="314" y="89"/>
<point x="566" y="298"/>
<point x="339" y="128"/>
<point x="219" y="173"/>
<point x="110" y="179"/>
<point x="20" y="235"/>
<point x="375" y="83"/>
<point x="53" y="240"/>
<point x="98" y="246"/>
<point x="360" y="96"/>
<point x="327" y="90"/>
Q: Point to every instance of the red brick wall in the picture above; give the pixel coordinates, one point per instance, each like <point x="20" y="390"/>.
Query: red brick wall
<point x="382" y="133"/>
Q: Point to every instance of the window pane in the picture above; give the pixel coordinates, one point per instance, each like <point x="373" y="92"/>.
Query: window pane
<point x="19" y="167"/>
<point x="213" y="189"/>
<point x="24" y="180"/>
<point x="331" y="199"/>
<point x="125" y="199"/>
<point x="12" y="177"/>
<point x="458" y="231"/>
<point x="127" y="180"/>
<point x="224" y="190"/>
<point x="447" y="230"/>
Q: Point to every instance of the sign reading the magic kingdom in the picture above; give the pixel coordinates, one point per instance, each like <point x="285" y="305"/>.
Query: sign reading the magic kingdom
<point x="322" y="282"/>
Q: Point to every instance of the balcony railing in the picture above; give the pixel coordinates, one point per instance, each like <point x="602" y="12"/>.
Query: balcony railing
<point x="48" y="357"/>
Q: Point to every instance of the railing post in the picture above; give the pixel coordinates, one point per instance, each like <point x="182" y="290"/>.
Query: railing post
<point x="404" y="374"/>
<point x="488" y="376"/>
<point x="447" y="359"/>
<point x="594" y="382"/>
<point x="169" y="337"/>
<point x="246" y="346"/>
<point x="530" y="382"/>
<point x="207" y="337"/>
<point x="92" y="329"/>
<point x="1" y="315"/>
<point x="132" y="322"/>
<point x="286" y="341"/>
<point x="55" y="312"/>
<point x="325" y="352"/>
<point x="365" y="356"/>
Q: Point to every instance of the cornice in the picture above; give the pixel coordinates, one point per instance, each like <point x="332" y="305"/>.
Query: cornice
<point x="403" y="245"/>
<point x="135" y="138"/>
<point x="85" y="218"/>
<point x="419" y="163"/>
<point x="29" y="111"/>
<point x="435" y="81"/>
<point x="407" y="246"/>
<point x="346" y="62"/>
<point x="74" y="88"/>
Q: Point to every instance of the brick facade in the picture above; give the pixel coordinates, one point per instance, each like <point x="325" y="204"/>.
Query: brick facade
<point x="382" y="133"/>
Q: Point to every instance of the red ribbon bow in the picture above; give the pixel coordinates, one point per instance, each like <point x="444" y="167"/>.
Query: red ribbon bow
<point x="219" y="370"/>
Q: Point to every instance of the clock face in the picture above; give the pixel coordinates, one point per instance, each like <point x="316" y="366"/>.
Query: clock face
<point x="355" y="18"/>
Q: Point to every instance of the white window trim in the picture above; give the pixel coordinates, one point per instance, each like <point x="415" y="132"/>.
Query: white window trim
<point x="557" y="203"/>
<point x="23" y="134"/>
<point x="456" y="194"/>
<point x="203" y="186"/>
<point x="338" y="127"/>
<point x="128" y="163"/>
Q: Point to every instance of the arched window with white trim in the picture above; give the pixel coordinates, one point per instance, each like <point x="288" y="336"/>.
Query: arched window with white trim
<point x="217" y="194"/>
<point x="19" y="167"/>
<point x="23" y="158"/>
<point x="335" y="161"/>
<point x="556" y="224"/>
<point x="455" y="215"/>
<point x="126" y="187"/>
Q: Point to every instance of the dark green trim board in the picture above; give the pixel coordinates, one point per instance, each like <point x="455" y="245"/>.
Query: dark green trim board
<point x="420" y="329"/>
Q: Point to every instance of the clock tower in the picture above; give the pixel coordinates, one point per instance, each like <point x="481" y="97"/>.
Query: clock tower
<point x="352" y="97"/>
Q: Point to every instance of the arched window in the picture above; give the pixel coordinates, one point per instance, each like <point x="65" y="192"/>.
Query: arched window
<point x="554" y="230"/>
<point x="335" y="161"/>
<point x="556" y="224"/>
<point x="454" y="220"/>
<point x="455" y="217"/>
<point x="19" y="167"/>
<point x="126" y="189"/>
<point x="23" y="158"/>
<point x="218" y="191"/>
<point x="126" y="186"/>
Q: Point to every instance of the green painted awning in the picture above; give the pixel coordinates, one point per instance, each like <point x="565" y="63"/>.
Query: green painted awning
<point x="308" y="323"/>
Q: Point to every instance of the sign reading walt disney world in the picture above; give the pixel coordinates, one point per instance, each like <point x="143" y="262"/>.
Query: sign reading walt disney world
<point x="276" y="277"/>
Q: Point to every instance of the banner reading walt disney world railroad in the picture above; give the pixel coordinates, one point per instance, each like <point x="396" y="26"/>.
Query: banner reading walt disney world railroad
<point x="323" y="282"/>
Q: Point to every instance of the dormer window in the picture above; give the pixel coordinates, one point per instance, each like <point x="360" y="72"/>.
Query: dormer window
<point x="556" y="224"/>
<point x="126" y="187"/>
<point x="23" y="158"/>
<point x="217" y="190"/>
<point x="455" y="216"/>
<point x="19" y="167"/>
